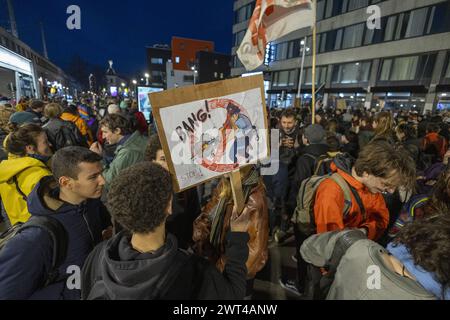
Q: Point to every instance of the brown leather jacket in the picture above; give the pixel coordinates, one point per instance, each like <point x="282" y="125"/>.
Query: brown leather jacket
<point x="258" y="230"/>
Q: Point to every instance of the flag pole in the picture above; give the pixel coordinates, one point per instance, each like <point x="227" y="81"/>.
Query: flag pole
<point x="299" y="96"/>
<point x="313" y="103"/>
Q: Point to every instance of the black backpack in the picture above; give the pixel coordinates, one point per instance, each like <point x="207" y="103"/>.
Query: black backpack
<point x="322" y="163"/>
<point x="68" y="135"/>
<point x="320" y="279"/>
<point x="57" y="233"/>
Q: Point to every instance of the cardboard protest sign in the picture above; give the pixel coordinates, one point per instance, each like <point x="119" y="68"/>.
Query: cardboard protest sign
<point x="211" y="129"/>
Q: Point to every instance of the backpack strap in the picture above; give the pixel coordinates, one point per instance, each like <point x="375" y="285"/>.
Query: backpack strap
<point x="308" y="155"/>
<point x="416" y="204"/>
<point x="59" y="238"/>
<point x="16" y="183"/>
<point x="324" y="277"/>
<point x="320" y="161"/>
<point x="340" y="248"/>
<point x="347" y="189"/>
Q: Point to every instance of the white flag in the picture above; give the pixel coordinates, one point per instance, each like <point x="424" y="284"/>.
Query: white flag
<point x="271" y="20"/>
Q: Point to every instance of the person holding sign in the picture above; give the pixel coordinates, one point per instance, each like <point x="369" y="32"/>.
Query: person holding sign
<point x="143" y="262"/>
<point x="212" y="226"/>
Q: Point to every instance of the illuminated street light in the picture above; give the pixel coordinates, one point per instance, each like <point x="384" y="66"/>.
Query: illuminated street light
<point x="134" y="82"/>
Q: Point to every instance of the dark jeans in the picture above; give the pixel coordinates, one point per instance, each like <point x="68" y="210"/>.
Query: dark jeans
<point x="301" y="264"/>
<point x="280" y="184"/>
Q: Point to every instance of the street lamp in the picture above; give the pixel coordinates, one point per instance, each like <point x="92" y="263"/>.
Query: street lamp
<point x="146" y="78"/>
<point x="195" y="73"/>
<point x="123" y="84"/>
<point x="134" y="87"/>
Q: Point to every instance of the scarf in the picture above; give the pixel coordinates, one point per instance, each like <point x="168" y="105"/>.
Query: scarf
<point x="426" y="279"/>
<point x="39" y="157"/>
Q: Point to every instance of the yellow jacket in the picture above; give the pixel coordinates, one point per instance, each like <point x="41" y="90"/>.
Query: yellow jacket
<point x="29" y="172"/>
<point x="81" y="125"/>
<point x="21" y="107"/>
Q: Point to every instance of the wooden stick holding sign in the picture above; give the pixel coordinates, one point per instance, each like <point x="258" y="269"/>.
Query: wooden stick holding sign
<point x="236" y="187"/>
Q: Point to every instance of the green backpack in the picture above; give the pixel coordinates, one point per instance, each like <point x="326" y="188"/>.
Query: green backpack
<point x="304" y="212"/>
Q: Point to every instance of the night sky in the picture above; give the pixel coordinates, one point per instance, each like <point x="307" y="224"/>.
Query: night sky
<point x="120" y="30"/>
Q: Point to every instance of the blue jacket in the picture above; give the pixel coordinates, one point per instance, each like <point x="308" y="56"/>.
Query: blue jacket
<point x="26" y="259"/>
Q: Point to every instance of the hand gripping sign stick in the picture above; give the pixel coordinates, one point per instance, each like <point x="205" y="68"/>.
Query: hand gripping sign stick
<point x="236" y="187"/>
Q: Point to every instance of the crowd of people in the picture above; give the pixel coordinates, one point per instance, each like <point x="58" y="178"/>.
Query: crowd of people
<point x="375" y="172"/>
<point x="86" y="185"/>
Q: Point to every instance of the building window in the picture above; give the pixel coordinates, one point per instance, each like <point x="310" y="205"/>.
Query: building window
<point x="238" y="37"/>
<point x="236" y="62"/>
<point x="368" y="38"/>
<point x="329" y="9"/>
<point x="285" y="78"/>
<point x="390" y="28"/>
<point x="337" y="44"/>
<point x="320" y="9"/>
<point x="177" y="59"/>
<point x="447" y="73"/>
<point x="221" y="75"/>
<point x="321" y="73"/>
<point x="408" y="68"/>
<point x="386" y="69"/>
<point x="244" y="13"/>
<point x="188" y="78"/>
<point x="440" y="18"/>
<point x="351" y="72"/>
<point x="215" y="75"/>
<point x="353" y="36"/>
<point x="156" y="73"/>
<point x="416" y="23"/>
<point x="404" y="68"/>
<point x="323" y="43"/>
<point x="281" y="51"/>
<point x="216" y="61"/>
<point x="157" y="61"/>
<point x="356" y="4"/>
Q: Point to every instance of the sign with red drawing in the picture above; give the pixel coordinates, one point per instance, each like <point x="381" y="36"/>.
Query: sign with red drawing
<point x="211" y="129"/>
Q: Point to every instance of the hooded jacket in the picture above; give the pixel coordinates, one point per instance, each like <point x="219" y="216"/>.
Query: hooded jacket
<point x="329" y="204"/>
<point x="126" y="154"/>
<point x="26" y="259"/>
<point x="354" y="277"/>
<point x="115" y="271"/>
<point x="29" y="172"/>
